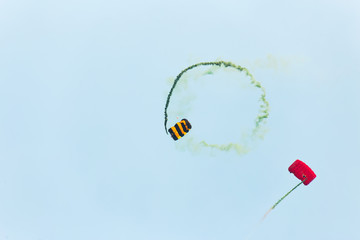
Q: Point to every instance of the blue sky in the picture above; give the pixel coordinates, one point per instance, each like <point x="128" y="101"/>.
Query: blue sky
<point x="83" y="152"/>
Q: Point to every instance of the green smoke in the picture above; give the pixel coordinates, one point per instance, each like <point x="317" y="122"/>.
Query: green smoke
<point x="240" y="149"/>
<point x="263" y="111"/>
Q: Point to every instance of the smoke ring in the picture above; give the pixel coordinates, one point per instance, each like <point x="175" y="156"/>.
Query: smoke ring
<point x="264" y="107"/>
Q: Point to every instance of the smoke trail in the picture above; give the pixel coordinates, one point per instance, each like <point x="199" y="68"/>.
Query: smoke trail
<point x="281" y="199"/>
<point x="277" y="63"/>
<point x="240" y="149"/>
<point x="262" y="114"/>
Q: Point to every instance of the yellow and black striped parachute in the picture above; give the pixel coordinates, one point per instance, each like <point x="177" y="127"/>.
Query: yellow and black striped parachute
<point x="180" y="129"/>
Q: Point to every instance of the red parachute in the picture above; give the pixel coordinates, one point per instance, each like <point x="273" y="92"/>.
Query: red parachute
<point x="302" y="171"/>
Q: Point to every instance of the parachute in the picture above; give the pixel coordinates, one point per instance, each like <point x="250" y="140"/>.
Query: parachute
<point x="263" y="112"/>
<point x="303" y="172"/>
<point x="180" y="129"/>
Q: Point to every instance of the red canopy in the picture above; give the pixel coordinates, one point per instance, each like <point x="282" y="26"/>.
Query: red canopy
<point x="302" y="171"/>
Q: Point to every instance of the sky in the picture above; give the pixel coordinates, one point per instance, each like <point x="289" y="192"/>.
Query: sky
<point x="83" y="149"/>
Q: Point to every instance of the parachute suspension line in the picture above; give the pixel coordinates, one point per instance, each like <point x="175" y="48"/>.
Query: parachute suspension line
<point x="264" y="107"/>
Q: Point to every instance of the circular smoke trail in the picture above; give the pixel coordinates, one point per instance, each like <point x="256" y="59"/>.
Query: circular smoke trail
<point x="262" y="115"/>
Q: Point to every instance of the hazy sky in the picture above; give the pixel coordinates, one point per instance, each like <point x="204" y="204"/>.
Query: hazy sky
<point x="83" y="151"/>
